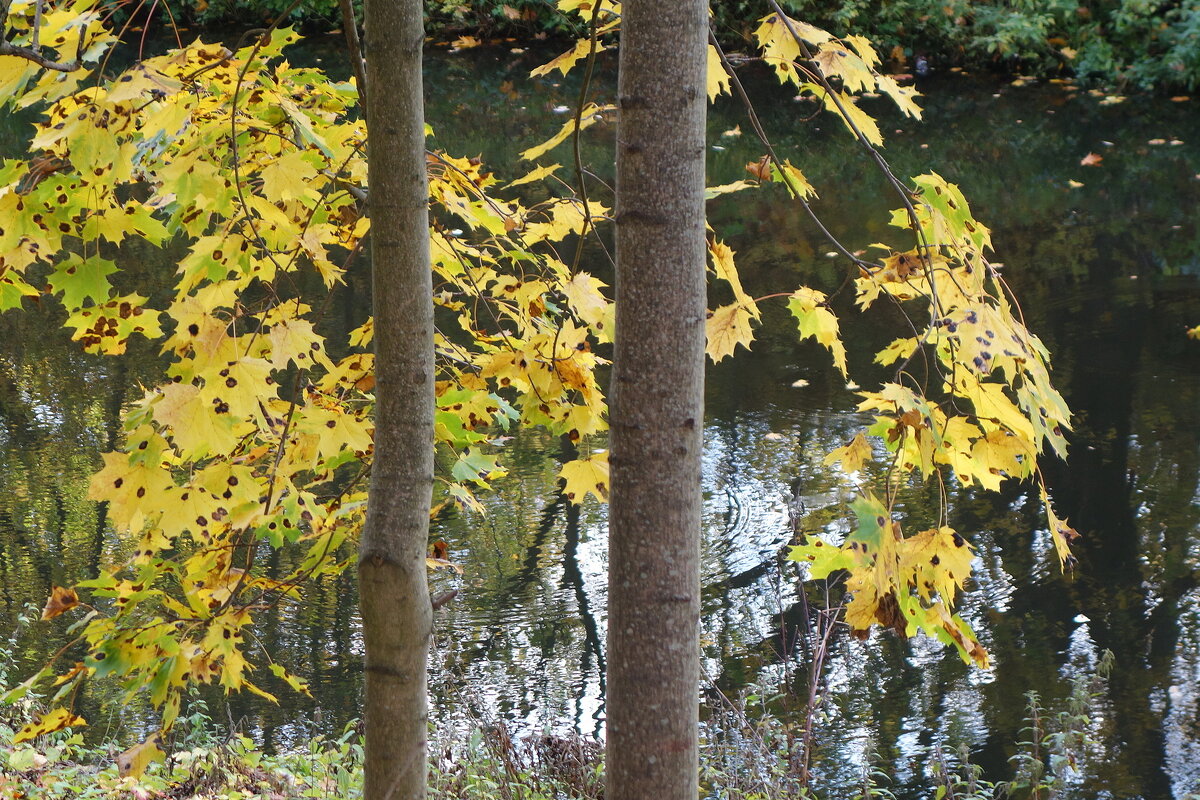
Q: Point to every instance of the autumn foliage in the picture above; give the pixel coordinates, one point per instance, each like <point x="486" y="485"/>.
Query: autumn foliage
<point x="258" y="437"/>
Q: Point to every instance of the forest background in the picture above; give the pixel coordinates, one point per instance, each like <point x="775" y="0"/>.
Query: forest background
<point x="1125" y="43"/>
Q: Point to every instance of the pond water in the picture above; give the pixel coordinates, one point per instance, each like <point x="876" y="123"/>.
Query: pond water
<point x="1108" y="273"/>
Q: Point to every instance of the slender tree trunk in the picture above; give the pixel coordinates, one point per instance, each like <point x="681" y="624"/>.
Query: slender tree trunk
<point x="396" y="614"/>
<point x="657" y="404"/>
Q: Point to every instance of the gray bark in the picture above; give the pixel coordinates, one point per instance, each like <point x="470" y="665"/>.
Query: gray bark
<point x="657" y="404"/>
<point x="396" y="613"/>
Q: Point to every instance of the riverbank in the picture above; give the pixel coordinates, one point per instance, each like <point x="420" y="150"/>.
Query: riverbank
<point x="1122" y="46"/>
<point x="746" y="753"/>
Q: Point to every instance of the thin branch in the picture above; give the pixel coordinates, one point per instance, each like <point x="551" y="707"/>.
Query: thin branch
<point x="7" y="48"/>
<point x="350" y="28"/>
<point x="756" y="124"/>
<point x="906" y="195"/>
<point x="576" y="143"/>
<point x="37" y="25"/>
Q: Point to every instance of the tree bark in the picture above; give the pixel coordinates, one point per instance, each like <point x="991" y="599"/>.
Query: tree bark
<point x="396" y="613"/>
<point x="657" y="404"/>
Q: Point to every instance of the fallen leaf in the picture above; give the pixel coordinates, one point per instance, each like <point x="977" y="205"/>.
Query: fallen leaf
<point x="1157" y="141"/>
<point x="1074" y="184"/>
<point x="1091" y="160"/>
<point x="799" y="384"/>
<point x="1180" y="98"/>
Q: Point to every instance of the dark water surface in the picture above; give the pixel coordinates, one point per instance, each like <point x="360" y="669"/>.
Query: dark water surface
<point x="1108" y="273"/>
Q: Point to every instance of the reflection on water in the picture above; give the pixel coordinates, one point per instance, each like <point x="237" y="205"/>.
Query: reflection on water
<point x="1109" y="275"/>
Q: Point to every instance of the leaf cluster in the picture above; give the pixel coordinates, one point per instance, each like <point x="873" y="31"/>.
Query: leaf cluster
<point x="259" y="437"/>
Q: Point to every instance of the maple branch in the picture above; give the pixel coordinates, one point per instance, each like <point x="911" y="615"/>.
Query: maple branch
<point x="7" y="48"/>
<point x="350" y="28"/>
<point x="905" y="194"/>
<point x="576" y="139"/>
<point x="33" y="53"/>
<point x="756" y="124"/>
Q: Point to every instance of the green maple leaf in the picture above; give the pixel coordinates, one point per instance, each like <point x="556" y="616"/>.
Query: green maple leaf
<point x="12" y="291"/>
<point x="81" y="278"/>
<point x="476" y="467"/>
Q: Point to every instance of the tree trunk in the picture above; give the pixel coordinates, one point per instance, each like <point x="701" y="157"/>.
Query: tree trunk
<point x="396" y="614"/>
<point x="657" y="404"/>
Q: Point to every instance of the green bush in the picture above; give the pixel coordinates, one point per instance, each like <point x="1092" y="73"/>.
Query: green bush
<point x="1142" y="44"/>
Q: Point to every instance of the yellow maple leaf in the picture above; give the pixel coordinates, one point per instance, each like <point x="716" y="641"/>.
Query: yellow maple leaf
<point x="134" y="491"/>
<point x="903" y="96"/>
<point x="729" y="326"/>
<point x="837" y="61"/>
<point x="723" y="266"/>
<point x="565" y="62"/>
<point x="534" y="175"/>
<point x="717" y="77"/>
<point x="592" y="114"/>
<point x="564" y="218"/>
<point x="897" y="350"/>
<point x="939" y="561"/>
<point x="852" y="456"/>
<point x="846" y="107"/>
<point x="1061" y="532"/>
<point x="197" y="428"/>
<point x="586" y="476"/>
<point x="728" y="188"/>
<point x="588" y="302"/>
<point x="780" y="48"/>
<point x="295" y="340"/>
<point x="50" y="722"/>
<point x="816" y="320"/>
<point x="1000" y="455"/>
<point x="862" y="46"/>
<point x="798" y="185"/>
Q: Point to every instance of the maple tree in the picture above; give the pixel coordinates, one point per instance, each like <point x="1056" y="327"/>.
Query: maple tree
<point x="258" y="437"/>
<point x="657" y="405"/>
<point x="397" y="614"/>
<point x="970" y="397"/>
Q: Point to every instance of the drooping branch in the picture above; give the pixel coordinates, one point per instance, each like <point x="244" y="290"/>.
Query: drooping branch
<point x="33" y="53"/>
<point x="7" y="48"/>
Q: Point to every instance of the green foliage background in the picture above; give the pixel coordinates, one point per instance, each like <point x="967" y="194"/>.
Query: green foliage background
<point x="1130" y="43"/>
